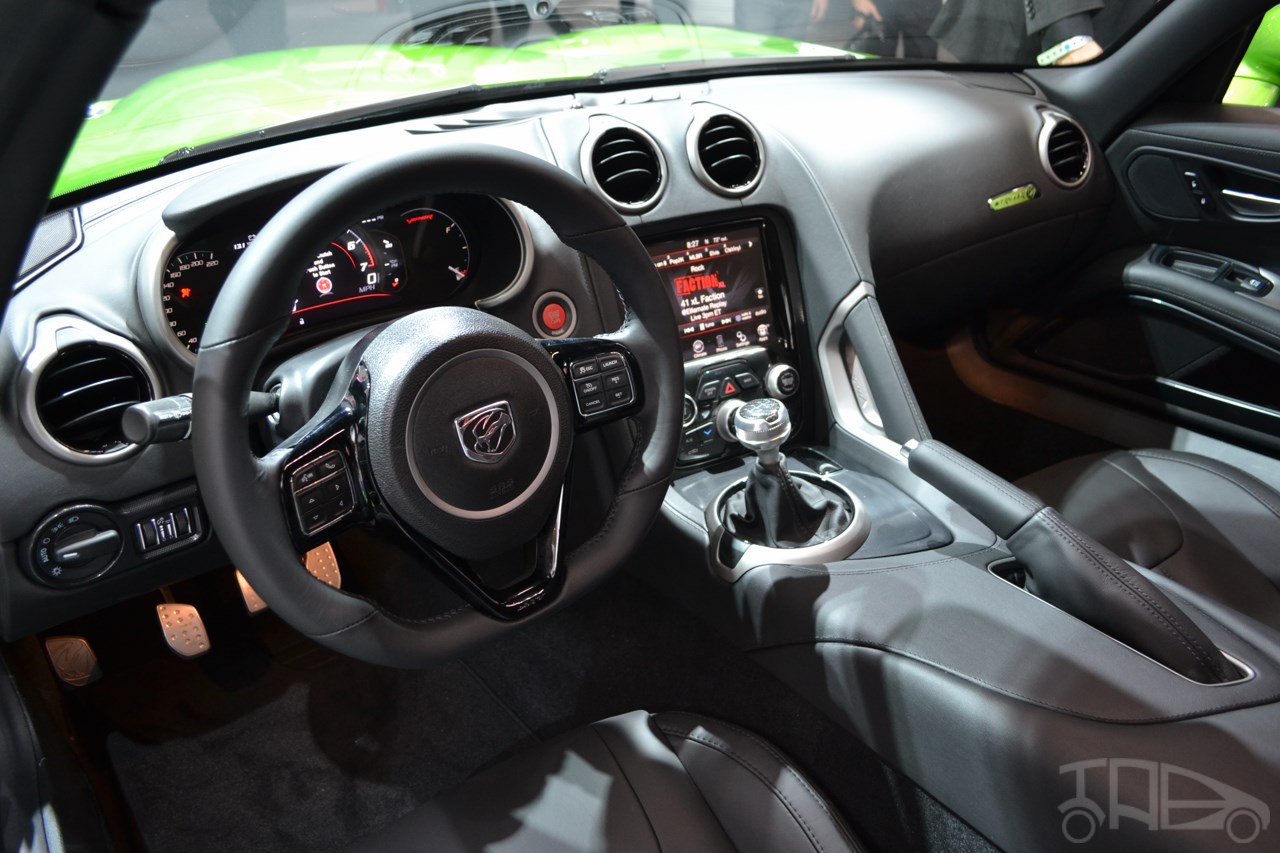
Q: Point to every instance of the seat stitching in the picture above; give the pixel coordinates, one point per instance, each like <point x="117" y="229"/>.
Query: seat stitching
<point x="742" y="761"/>
<point x="1148" y="454"/>
<point x="785" y="764"/>
<point x="621" y="770"/>
<point x="1161" y="616"/>
<point x="1182" y="537"/>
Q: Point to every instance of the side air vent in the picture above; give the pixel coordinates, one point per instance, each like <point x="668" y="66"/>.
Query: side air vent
<point x="725" y="154"/>
<point x="623" y="164"/>
<point x="1064" y="150"/>
<point x="78" y="381"/>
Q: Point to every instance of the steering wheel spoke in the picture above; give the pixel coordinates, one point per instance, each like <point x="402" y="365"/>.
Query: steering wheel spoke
<point x="507" y="586"/>
<point x="602" y="376"/>
<point x="322" y="483"/>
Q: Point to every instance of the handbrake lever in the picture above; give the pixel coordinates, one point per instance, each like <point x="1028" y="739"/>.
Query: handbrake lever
<point x="1071" y="570"/>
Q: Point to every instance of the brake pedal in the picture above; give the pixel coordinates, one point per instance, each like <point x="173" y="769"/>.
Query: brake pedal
<point x="252" y="601"/>
<point x="73" y="660"/>
<point x="323" y="565"/>
<point x="183" y="629"/>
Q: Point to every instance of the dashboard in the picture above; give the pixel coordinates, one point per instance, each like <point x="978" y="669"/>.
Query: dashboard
<point x="112" y="306"/>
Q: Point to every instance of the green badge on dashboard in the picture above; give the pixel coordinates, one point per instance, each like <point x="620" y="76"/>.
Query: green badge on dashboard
<point x="1014" y="197"/>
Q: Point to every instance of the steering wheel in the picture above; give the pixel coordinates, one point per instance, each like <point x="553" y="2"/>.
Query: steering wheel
<point x="448" y="428"/>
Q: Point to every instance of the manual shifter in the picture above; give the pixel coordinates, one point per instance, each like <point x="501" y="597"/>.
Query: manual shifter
<point x="774" y="508"/>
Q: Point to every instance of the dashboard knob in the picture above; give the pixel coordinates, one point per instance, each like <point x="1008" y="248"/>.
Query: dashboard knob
<point x="690" y="411"/>
<point x="75" y="544"/>
<point x="782" y="381"/>
<point x="724" y="418"/>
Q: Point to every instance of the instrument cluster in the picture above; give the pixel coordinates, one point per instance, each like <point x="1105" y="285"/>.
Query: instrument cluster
<point x="436" y="250"/>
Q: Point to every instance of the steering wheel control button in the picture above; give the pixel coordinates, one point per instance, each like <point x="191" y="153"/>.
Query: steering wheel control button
<point x="782" y="381"/>
<point x="322" y="492"/>
<point x="586" y="367"/>
<point x="75" y="544"/>
<point x="554" y="315"/>
<point x="608" y="385"/>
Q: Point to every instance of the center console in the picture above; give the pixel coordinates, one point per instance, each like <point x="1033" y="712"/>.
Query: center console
<point x="727" y="285"/>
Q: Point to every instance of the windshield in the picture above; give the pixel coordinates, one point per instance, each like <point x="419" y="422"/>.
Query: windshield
<point x="201" y="71"/>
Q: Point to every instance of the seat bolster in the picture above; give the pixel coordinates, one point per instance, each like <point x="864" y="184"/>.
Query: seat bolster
<point x="633" y="783"/>
<point x="764" y="803"/>
<point x="676" y="809"/>
<point x="1114" y="499"/>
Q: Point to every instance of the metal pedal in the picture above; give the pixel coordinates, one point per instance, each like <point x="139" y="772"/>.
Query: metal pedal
<point x="323" y="565"/>
<point x="252" y="601"/>
<point x="73" y="660"/>
<point x="183" y="629"/>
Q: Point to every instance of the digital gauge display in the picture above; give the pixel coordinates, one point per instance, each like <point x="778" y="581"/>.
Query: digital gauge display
<point x="719" y="289"/>
<point x="362" y="269"/>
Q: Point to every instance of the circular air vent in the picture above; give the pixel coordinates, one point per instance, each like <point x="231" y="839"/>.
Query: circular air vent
<point x="725" y="154"/>
<point x="77" y="382"/>
<point x="623" y="165"/>
<point x="1064" y="150"/>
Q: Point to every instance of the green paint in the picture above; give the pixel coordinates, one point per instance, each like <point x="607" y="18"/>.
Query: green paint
<point x="205" y="103"/>
<point x="1257" y="80"/>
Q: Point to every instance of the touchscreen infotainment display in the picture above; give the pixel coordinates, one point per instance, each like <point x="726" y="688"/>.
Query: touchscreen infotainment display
<point x="718" y="286"/>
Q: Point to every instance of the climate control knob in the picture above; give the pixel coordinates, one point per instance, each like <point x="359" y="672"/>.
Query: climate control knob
<point x="782" y="381"/>
<point x="724" y="419"/>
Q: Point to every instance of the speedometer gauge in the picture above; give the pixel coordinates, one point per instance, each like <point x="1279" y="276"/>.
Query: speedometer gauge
<point x="190" y="285"/>
<point x="438" y="249"/>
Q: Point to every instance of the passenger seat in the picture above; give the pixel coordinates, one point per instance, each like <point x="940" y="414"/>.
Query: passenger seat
<point x="1204" y="524"/>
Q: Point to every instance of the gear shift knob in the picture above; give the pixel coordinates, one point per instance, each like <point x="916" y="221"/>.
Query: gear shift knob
<point x="762" y="426"/>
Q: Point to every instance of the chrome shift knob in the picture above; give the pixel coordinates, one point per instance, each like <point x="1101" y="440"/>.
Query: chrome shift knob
<point x="762" y="426"/>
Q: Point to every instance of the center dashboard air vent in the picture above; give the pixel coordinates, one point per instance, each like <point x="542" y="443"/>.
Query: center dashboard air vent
<point x="624" y="165"/>
<point x="725" y="154"/>
<point x="1064" y="150"/>
<point x="76" y="384"/>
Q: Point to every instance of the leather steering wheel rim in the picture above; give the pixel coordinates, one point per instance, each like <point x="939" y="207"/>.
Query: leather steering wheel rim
<point x="242" y="495"/>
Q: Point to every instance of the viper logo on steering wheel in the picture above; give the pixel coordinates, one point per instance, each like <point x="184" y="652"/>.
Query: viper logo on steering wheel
<point x="487" y="433"/>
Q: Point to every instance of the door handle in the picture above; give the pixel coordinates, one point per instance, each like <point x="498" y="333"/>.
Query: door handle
<point x="1251" y="204"/>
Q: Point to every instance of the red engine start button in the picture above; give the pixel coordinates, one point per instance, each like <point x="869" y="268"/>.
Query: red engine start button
<point x="553" y="315"/>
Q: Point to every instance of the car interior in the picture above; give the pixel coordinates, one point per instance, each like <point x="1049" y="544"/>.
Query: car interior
<point x="823" y="455"/>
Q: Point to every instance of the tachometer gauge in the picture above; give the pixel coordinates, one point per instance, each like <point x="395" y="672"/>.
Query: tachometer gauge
<point x="437" y="250"/>
<point x="354" y="267"/>
<point x="190" y="285"/>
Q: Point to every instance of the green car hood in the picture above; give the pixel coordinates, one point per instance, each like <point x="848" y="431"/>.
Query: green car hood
<point x="205" y="103"/>
<point x="1257" y="80"/>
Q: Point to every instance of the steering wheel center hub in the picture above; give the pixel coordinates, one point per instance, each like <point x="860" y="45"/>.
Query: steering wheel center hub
<point x="469" y="429"/>
<point x="482" y="434"/>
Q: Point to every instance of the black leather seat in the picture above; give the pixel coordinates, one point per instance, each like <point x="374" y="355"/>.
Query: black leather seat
<point x="1206" y="525"/>
<point x="635" y="782"/>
